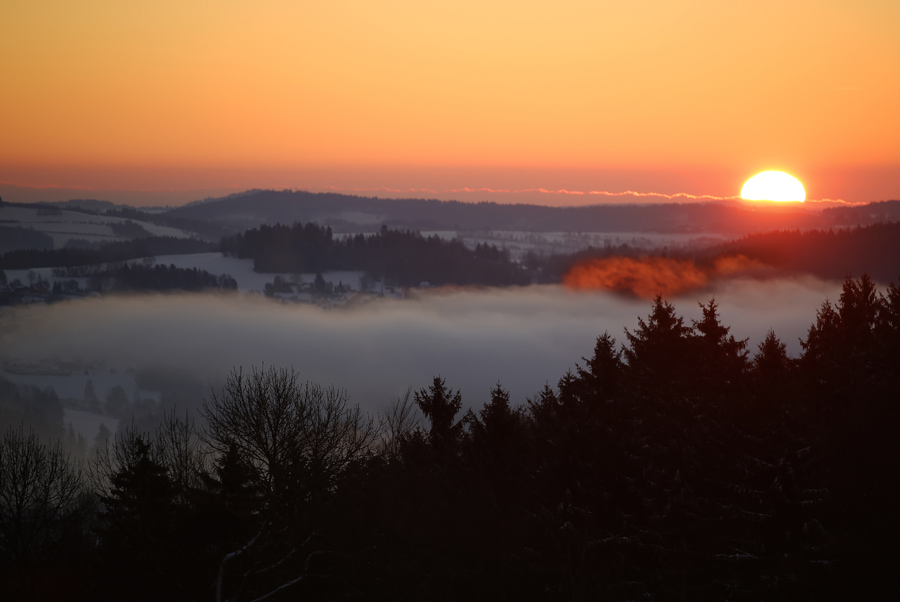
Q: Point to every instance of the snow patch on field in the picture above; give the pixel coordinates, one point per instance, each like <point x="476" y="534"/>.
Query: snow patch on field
<point x="519" y="243"/>
<point x="216" y="264"/>
<point x="65" y="225"/>
<point x="242" y="271"/>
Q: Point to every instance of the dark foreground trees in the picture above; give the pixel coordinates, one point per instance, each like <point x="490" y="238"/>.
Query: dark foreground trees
<point x="677" y="466"/>
<point x="44" y="508"/>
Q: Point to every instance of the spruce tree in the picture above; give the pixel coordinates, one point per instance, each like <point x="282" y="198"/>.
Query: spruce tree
<point x="658" y="352"/>
<point x="440" y="405"/>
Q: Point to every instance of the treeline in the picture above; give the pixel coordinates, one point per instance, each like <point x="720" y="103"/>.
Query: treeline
<point x="676" y="466"/>
<point x="399" y="258"/>
<point x="17" y="238"/>
<point x="104" y="253"/>
<point x="43" y="411"/>
<point x="144" y="277"/>
<point x="116" y="277"/>
<point x="830" y="254"/>
<point x="873" y="249"/>
<point x="207" y="229"/>
<point x="129" y="229"/>
<point x="136" y="277"/>
<point x="38" y="407"/>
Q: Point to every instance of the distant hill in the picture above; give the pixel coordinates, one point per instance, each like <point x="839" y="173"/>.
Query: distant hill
<point x="347" y="213"/>
<point x="863" y="215"/>
<point x="85" y="204"/>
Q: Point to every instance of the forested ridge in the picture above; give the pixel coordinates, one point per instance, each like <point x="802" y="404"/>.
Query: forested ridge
<point x="677" y="464"/>
<point x="400" y="258"/>
<point x="873" y="249"/>
<point x="255" y="207"/>
<point x="138" y="277"/>
<point x="405" y="258"/>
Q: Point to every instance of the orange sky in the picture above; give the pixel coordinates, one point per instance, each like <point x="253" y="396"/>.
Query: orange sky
<point x="652" y="96"/>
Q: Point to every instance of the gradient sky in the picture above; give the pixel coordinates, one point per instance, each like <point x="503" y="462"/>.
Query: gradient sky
<point x="396" y="95"/>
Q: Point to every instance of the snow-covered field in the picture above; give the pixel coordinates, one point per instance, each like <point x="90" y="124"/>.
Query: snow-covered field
<point x="215" y="263"/>
<point x="242" y="271"/>
<point x="70" y="225"/>
<point x="71" y="388"/>
<point x="23" y="275"/>
<point x="520" y="242"/>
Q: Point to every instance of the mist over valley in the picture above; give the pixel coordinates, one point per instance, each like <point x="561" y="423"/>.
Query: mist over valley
<point x="522" y="337"/>
<point x="379" y="331"/>
<point x="291" y="391"/>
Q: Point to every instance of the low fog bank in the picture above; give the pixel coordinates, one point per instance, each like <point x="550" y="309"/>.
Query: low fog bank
<point x="521" y="337"/>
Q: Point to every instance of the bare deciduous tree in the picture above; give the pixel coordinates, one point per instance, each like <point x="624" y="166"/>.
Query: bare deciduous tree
<point x="399" y="422"/>
<point x="177" y="446"/>
<point x="42" y="499"/>
<point x="182" y="452"/>
<point x="299" y="438"/>
<point x="286" y="429"/>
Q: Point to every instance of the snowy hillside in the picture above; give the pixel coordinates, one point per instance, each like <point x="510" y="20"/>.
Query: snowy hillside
<point x="64" y="225"/>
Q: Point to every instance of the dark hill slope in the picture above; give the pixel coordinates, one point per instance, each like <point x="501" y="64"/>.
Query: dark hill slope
<point x="837" y="254"/>
<point x="346" y="213"/>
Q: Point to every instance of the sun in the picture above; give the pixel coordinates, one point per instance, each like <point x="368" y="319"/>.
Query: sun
<point x="773" y="186"/>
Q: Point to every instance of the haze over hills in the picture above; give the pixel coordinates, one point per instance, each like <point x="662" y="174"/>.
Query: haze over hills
<point x="348" y="213"/>
<point x="520" y="229"/>
<point x="407" y="242"/>
<point x="146" y="199"/>
<point x="353" y="214"/>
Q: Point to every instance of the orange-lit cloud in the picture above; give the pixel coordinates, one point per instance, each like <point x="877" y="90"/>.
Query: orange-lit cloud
<point x="647" y="277"/>
<point x="735" y="265"/>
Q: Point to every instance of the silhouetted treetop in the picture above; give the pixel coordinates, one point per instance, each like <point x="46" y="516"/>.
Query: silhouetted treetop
<point x="659" y="348"/>
<point x="440" y="405"/>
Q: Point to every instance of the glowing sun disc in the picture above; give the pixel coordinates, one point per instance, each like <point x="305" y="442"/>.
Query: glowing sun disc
<point x="773" y="186"/>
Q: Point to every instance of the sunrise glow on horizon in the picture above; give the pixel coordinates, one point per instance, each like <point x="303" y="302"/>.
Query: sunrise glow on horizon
<point x="773" y="186"/>
<point x="674" y="99"/>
